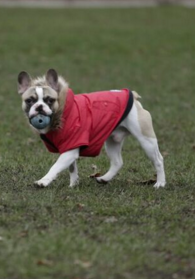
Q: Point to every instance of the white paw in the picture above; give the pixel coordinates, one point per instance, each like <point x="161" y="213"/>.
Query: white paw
<point x="74" y="183"/>
<point x="42" y="182"/>
<point x="159" y="184"/>
<point x="101" y="180"/>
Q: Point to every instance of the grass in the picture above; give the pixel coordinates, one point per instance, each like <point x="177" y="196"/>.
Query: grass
<point x="124" y="230"/>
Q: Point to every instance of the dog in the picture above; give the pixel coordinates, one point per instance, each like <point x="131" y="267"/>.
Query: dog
<point x="80" y="124"/>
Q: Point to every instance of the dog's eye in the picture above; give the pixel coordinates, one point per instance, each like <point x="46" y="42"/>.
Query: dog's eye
<point x="49" y="100"/>
<point x="30" y="101"/>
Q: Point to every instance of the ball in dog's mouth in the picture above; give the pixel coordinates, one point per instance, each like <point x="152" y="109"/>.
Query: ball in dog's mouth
<point x="40" y="121"/>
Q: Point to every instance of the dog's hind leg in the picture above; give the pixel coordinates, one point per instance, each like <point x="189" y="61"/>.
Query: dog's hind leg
<point x="74" y="178"/>
<point x="139" y="124"/>
<point x="113" y="150"/>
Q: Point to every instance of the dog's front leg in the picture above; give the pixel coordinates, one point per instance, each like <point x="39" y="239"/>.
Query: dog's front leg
<point x="63" y="162"/>
<point x="74" y="178"/>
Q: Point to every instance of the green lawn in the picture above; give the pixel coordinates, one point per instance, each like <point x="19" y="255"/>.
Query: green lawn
<point x="126" y="229"/>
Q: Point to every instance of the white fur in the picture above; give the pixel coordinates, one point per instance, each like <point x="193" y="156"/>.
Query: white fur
<point x="74" y="178"/>
<point x="46" y="109"/>
<point x="63" y="162"/>
<point x="150" y="146"/>
<point x="130" y="125"/>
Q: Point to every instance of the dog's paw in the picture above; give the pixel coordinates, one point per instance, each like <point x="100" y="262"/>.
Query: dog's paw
<point x="74" y="183"/>
<point x="159" y="184"/>
<point x="42" y="183"/>
<point x="100" y="180"/>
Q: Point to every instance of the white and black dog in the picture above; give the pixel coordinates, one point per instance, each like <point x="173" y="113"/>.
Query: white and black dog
<point x="80" y="124"/>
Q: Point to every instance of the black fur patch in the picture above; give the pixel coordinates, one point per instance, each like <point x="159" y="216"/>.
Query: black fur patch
<point x="49" y="101"/>
<point x="29" y="103"/>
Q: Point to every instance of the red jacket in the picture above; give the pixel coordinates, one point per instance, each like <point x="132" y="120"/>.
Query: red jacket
<point x="88" y="120"/>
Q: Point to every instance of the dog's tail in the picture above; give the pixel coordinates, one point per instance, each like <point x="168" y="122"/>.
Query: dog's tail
<point x="136" y="95"/>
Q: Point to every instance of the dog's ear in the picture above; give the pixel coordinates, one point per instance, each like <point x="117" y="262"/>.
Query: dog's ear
<point x="24" y="81"/>
<point x="52" y="79"/>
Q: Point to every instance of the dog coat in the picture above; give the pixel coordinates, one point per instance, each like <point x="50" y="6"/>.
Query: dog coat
<point x="88" y="120"/>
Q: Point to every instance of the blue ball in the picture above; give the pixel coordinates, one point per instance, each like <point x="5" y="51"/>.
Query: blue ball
<point x="40" y="121"/>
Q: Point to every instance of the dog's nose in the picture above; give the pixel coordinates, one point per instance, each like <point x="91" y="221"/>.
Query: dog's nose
<point x="39" y="108"/>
